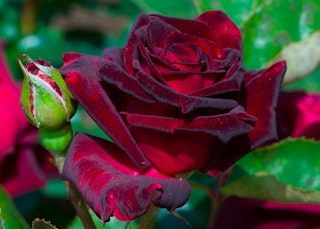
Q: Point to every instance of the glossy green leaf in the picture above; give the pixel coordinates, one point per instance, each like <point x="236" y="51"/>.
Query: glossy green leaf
<point x="10" y="218"/>
<point x="302" y="58"/>
<point x="288" y="171"/>
<point x="275" y="24"/>
<point x="266" y="187"/>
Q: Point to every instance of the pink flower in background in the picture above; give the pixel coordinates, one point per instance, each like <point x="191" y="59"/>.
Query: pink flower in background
<point x="299" y="114"/>
<point x="175" y="99"/>
<point x="240" y="213"/>
<point x="24" y="164"/>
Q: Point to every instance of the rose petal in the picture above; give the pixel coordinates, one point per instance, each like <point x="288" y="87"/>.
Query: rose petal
<point x="84" y="83"/>
<point x="232" y="79"/>
<point x="130" y="52"/>
<point x="262" y="89"/>
<point x="195" y="28"/>
<point x="261" y="100"/>
<point x="151" y="68"/>
<point x="222" y="30"/>
<point x="177" y="153"/>
<point x="224" y="127"/>
<point x="161" y="36"/>
<point x="157" y="32"/>
<point x="106" y="178"/>
<point x="187" y="103"/>
<point x="113" y="73"/>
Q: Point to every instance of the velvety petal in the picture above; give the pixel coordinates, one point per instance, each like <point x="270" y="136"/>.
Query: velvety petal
<point x="224" y="126"/>
<point x="262" y="89"/>
<point x="192" y="27"/>
<point x="177" y="153"/>
<point x="164" y="39"/>
<point x="158" y="32"/>
<point x="222" y="30"/>
<point x="114" y="74"/>
<point x="261" y="100"/>
<point x="232" y="79"/>
<point x="108" y="181"/>
<point x="85" y="84"/>
<point x="150" y="67"/>
<point x="130" y="52"/>
<point x="187" y="103"/>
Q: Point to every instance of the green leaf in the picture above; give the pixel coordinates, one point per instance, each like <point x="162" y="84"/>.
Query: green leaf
<point x="266" y="187"/>
<point x="42" y="224"/>
<point x="10" y="218"/>
<point x="288" y="172"/>
<point x="274" y="24"/>
<point x="302" y="58"/>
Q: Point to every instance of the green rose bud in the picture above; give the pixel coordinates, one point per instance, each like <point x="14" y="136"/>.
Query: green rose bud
<point x="45" y="98"/>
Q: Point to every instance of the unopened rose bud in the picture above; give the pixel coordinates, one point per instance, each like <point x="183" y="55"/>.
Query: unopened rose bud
<point x="45" y="98"/>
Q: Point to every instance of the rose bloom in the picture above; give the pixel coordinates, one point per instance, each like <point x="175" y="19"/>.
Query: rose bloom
<point x="175" y="99"/>
<point x="242" y="213"/>
<point x="299" y="114"/>
<point x="24" y="164"/>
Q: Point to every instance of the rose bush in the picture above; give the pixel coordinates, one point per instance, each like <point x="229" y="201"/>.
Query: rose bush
<point x="299" y="114"/>
<point x="175" y="99"/>
<point x="24" y="164"/>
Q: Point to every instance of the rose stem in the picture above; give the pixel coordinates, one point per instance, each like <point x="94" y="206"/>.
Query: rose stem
<point x="80" y="206"/>
<point x="216" y="201"/>
<point x="75" y="197"/>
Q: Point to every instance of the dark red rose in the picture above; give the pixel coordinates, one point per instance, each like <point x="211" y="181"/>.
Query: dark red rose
<point x="176" y="98"/>
<point x="241" y="213"/>
<point x="299" y="114"/>
<point x="24" y="164"/>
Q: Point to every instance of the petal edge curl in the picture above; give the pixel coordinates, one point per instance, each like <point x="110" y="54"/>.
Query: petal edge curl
<point x="85" y="84"/>
<point x="105" y="177"/>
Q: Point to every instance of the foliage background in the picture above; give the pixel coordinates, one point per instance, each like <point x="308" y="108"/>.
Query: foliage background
<point x="46" y="29"/>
